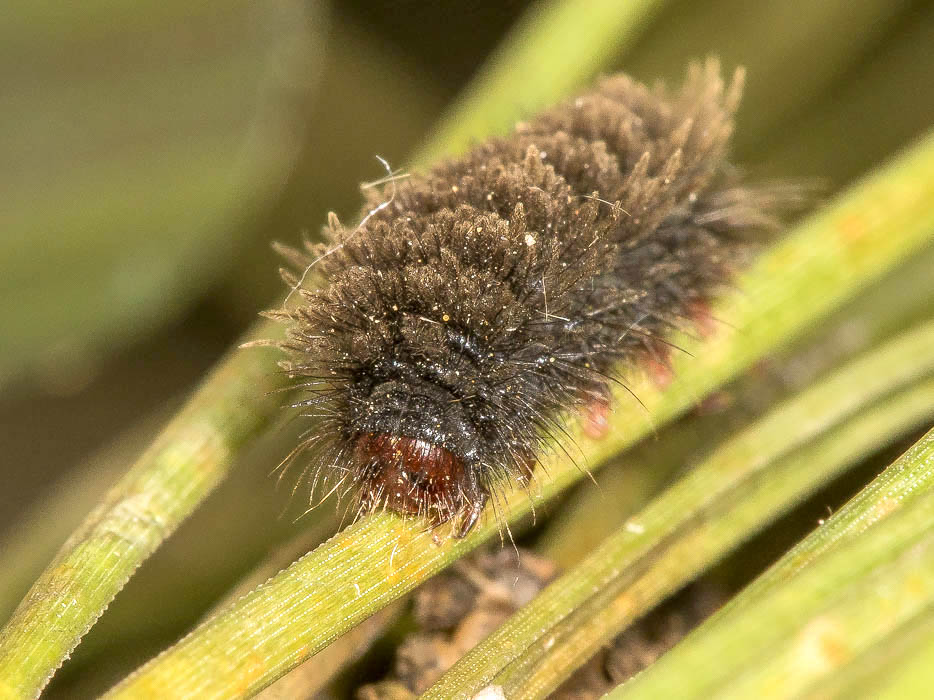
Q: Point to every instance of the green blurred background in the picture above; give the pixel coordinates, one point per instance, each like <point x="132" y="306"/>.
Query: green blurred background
<point x="152" y="151"/>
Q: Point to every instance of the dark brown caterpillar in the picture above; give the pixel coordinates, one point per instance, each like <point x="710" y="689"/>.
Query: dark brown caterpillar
<point x="477" y="302"/>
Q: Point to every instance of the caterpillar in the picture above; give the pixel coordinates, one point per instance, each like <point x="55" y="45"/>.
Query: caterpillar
<point x="477" y="304"/>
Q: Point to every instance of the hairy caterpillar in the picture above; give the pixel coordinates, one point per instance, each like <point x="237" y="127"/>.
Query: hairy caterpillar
<point x="478" y="302"/>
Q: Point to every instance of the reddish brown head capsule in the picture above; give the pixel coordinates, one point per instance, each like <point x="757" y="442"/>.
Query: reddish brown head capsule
<point x="415" y="477"/>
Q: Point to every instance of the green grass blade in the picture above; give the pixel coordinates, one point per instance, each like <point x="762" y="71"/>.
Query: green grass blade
<point x="910" y="675"/>
<point x="897" y="667"/>
<point x="557" y="46"/>
<point x="847" y="600"/>
<point x="168" y="481"/>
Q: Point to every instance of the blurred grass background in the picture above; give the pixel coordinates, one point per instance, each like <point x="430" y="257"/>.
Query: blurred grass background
<point x="151" y="152"/>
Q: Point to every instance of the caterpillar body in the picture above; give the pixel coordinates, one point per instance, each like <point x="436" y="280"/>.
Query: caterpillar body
<point x="478" y="303"/>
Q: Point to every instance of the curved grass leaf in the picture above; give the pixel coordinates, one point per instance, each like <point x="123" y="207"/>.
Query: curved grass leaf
<point x="858" y="588"/>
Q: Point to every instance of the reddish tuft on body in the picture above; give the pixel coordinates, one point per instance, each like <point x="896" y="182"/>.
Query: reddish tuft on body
<point x="596" y="418"/>
<point x="704" y="321"/>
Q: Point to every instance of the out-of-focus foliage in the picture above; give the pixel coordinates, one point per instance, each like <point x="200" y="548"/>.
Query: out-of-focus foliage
<point x="137" y="143"/>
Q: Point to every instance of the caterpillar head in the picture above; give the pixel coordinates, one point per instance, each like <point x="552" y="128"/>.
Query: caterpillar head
<point x="420" y="401"/>
<point x="431" y="413"/>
